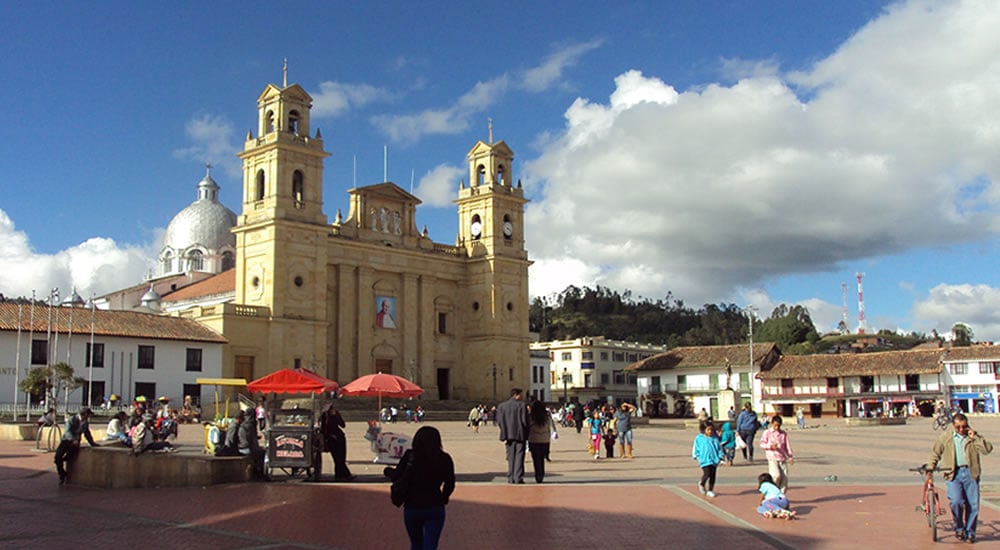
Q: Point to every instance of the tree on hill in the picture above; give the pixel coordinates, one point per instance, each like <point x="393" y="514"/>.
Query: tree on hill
<point x="962" y="335"/>
<point x="788" y="326"/>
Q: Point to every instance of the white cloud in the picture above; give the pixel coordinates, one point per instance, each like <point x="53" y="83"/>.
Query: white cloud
<point x="95" y="266"/>
<point x="884" y="146"/>
<point x="213" y="139"/>
<point x="438" y="186"/>
<point x="550" y="71"/>
<point x="336" y="98"/>
<point x="455" y="119"/>
<point x="975" y="305"/>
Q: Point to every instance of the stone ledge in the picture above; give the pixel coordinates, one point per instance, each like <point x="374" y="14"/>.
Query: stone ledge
<point x="114" y="467"/>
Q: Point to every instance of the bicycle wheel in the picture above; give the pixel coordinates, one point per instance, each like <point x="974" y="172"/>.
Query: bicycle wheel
<point x="932" y="511"/>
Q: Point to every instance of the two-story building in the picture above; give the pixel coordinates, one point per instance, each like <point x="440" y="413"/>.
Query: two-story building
<point x="971" y="376"/>
<point x="854" y="384"/>
<point x="127" y="353"/>
<point x="686" y="379"/>
<point x="593" y="368"/>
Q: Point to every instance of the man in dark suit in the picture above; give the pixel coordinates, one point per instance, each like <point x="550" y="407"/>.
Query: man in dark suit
<point x="512" y="416"/>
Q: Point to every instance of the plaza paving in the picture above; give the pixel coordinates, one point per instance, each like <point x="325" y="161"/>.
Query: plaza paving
<point x="648" y="502"/>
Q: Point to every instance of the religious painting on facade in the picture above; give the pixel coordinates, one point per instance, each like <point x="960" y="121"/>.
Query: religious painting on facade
<point x="385" y="312"/>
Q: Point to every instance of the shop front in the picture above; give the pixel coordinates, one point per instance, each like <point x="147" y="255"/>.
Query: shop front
<point x="974" y="401"/>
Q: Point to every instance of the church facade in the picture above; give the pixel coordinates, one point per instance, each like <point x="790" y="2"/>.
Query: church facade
<point x="371" y="292"/>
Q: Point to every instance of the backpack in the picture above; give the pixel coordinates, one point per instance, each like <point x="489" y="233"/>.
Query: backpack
<point x="400" y="488"/>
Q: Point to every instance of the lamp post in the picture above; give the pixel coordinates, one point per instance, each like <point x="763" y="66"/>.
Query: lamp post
<point x="750" y="311"/>
<point x="494" y="382"/>
<point x="565" y="380"/>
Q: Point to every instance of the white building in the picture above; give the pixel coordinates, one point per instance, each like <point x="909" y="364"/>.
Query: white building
<point x="133" y="353"/>
<point x="690" y="378"/>
<point x="593" y="368"/>
<point x="970" y="374"/>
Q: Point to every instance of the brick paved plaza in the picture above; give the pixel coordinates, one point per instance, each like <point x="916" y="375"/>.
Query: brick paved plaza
<point x="648" y="502"/>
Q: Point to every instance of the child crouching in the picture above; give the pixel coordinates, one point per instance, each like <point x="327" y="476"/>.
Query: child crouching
<point x="773" y="503"/>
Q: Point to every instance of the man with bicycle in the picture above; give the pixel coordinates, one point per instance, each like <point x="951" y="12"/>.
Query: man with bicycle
<point x="958" y="455"/>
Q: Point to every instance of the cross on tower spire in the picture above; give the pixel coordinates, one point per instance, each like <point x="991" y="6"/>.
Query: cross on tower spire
<point x="284" y="74"/>
<point x="490" y="120"/>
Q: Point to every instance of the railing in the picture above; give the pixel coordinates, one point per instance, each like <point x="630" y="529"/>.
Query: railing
<point x="660" y="389"/>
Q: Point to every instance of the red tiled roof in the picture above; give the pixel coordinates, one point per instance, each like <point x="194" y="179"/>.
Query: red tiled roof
<point x="972" y="353"/>
<point x="129" y="324"/>
<point x="704" y="356"/>
<point x="856" y="364"/>
<point x="218" y="284"/>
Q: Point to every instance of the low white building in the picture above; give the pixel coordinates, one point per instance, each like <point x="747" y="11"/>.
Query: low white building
<point x="593" y="368"/>
<point x="133" y="353"/>
<point x="688" y="379"/>
<point x="971" y="376"/>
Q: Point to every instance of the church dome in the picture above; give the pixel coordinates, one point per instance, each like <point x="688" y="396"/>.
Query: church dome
<point x="205" y="222"/>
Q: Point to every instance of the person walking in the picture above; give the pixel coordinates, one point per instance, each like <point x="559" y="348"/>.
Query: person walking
<point x="727" y="441"/>
<point x="596" y="432"/>
<point x="539" y="438"/>
<point x="747" y="425"/>
<point x="512" y="417"/>
<point x="959" y="454"/>
<point x="431" y="482"/>
<point x="77" y="427"/>
<point x="778" y="451"/>
<point x="623" y="424"/>
<point x="800" y="417"/>
<point x="708" y="453"/>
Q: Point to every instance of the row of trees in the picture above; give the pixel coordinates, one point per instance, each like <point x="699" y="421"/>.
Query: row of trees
<point x="577" y="312"/>
<point x="50" y="381"/>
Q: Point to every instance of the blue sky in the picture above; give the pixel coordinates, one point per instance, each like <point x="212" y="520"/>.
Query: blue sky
<point x="744" y="151"/>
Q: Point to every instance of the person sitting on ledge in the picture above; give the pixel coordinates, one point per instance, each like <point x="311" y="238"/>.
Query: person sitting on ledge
<point x="116" y="429"/>
<point x="143" y="438"/>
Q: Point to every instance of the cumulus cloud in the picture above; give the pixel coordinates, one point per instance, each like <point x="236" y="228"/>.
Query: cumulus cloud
<point x="977" y="306"/>
<point x="213" y="139"/>
<point x="94" y="267"/>
<point x="336" y="98"/>
<point x="884" y="146"/>
<point x="550" y="71"/>
<point x="438" y="186"/>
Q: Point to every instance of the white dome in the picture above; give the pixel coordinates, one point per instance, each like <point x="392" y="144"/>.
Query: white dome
<point x="205" y="223"/>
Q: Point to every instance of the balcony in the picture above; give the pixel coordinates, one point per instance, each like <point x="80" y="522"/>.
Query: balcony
<point x="663" y="389"/>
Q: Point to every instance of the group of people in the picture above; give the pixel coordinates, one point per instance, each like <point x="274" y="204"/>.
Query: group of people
<point x="480" y="416"/>
<point x="391" y="414"/>
<point x="712" y="447"/>
<point x="609" y="425"/>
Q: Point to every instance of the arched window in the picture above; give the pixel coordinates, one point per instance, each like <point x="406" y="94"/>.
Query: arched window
<point x="293" y="122"/>
<point x="228" y="260"/>
<point x="500" y="175"/>
<point x="298" y="188"/>
<point x="480" y="174"/>
<point x="269" y="121"/>
<point x="167" y="264"/>
<point x="196" y="260"/>
<point x="259" y="195"/>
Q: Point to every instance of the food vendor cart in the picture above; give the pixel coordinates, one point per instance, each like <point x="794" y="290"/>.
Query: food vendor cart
<point x="215" y="429"/>
<point x="292" y="437"/>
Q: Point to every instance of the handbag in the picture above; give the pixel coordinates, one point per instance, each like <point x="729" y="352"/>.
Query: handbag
<point x="740" y="444"/>
<point x="555" y="436"/>
<point x="400" y="488"/>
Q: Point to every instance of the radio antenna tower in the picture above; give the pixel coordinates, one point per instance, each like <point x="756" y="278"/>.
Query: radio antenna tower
<point x="861" y="305"/>
<point x="846" y="321"/>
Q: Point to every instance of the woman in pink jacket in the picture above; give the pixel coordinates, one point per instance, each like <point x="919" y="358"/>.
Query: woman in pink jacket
<point x="778" y="451"/>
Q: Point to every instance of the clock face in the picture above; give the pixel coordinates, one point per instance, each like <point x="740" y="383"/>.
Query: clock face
<point x="508" y="229"/>
<point x="477" y="229"/>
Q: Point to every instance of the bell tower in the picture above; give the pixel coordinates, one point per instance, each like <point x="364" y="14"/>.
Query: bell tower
<point x="491" y="208"/>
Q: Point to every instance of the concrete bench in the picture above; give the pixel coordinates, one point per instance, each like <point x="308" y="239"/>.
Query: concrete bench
<point x="881" y="421"/>
<point x="114" y="467"/>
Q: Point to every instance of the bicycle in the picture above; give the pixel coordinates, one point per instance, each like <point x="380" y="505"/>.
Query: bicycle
<point x="942" y="420"/>
<point x="930" y="504"/>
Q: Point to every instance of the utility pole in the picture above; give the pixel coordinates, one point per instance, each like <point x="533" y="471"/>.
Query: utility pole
<point x="494" y="383"/>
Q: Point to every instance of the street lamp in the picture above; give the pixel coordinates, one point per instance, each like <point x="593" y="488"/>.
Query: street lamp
<point x="566" y="377"/>
<point x="494" y="382"/>
<point x="750" y="311"/>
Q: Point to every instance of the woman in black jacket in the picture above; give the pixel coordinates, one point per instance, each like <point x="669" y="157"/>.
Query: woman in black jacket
<point x="432" y="480"/>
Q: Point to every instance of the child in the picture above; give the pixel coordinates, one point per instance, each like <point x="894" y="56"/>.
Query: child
<point x="773" y="503"/>
<point x="595" y="433"/>
<point x="779" y="452"/>
<point x="708" y="453"/>
<point x="728" y="443"/>
<point x="609" y="443"/>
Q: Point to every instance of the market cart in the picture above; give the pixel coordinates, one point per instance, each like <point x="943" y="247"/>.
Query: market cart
<point x="292" y="436"/>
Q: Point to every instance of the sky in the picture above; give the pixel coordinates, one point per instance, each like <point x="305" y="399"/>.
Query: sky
<point x="745" y="152"/>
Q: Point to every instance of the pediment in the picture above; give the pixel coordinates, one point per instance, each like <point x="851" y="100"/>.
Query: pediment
<point x="498" y="148"/>
<point x="386" y="191"/>
<point x="292" y="93"/>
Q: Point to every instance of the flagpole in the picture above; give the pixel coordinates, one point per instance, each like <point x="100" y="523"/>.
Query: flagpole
<point x="90" y="369"/>
<point x="31" y="346"/>
<point x="17" y="359"/>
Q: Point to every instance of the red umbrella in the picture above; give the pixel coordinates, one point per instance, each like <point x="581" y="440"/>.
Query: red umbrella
<point x="379" y="385"/>
<point x="292" y="381"/>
